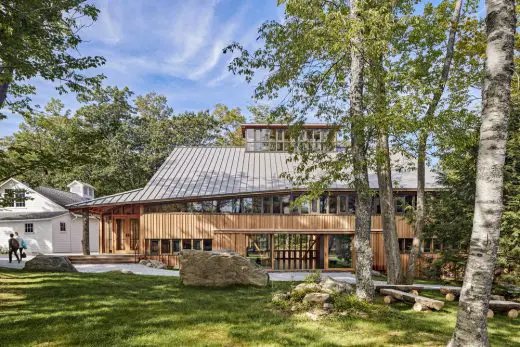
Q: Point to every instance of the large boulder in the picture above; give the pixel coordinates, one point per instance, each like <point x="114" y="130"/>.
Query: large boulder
<point x="331" y="286"/>
<point x="50" y="263"/>
<point x="317" y="298"/>
<point x="219" y="269"/>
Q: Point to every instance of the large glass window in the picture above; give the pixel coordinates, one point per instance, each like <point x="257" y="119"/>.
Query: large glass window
<point x="176" y="246"/>
<point x="257" y="204"/>
<point x="276" y="205"/>
<point x="259" y="249"/>
<point x="351" y="204"/>
<point x="340" y="251"/>
<point x="208" y="244"/>
<point x="342" y="204"/>
<point x="225" y="206"/>
<point x="186" y="244"/>
<point x="197" y="244"/>
<point x="209" y="206"/>
<point x="165" y="247"/>
<point x="154" y="247"/>
<point x="405" y="245"/>
<point x="268" y="204"/>
<point x="247" y="205"/>
<point x="333" y="204"/>
<point x="286" y="202"/>
<point x="323" y="204"/>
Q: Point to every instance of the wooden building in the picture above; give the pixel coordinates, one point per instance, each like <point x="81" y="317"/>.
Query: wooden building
<point x="234" y="198"/>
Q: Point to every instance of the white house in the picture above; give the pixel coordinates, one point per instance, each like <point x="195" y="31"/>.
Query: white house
<point x="40" y="217"/>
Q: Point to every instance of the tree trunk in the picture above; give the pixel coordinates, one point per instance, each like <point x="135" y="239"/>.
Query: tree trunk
<point x="471" y="326"/>
<point x="423" y="141"/>
<point x="86" y="234"/>
<point x="364" y="283"/>
<point x="384" y="179"/>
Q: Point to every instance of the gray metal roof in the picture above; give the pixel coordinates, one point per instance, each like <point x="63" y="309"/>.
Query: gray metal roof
<point x="60" y="197"/>
<point x="14" y="216"/>
<point x="191" y="172"/>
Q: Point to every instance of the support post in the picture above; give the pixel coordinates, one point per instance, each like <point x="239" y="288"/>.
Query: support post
<point x="86" y="232"/>
<point x="325" y="252"/>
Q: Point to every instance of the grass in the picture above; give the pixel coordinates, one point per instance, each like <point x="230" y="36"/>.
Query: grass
<point x="50" y="309"/>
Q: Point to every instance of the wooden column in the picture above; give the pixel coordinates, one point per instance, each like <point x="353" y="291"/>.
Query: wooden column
<point x="271" y="241"/>
<point x="326" y="252"/>
<point x="101" y="235"/>
<point x="86" y="234"/>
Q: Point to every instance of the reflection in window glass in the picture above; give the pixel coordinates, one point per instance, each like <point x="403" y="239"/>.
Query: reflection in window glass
<point x="257" y="205"/>
<point x="154" y="247"/>
<point x="399" y="204"/>
<point x="276" y="205"/>
<point x="305" y="207"/>
<point x="323" y="204"/>
<point x="340" y="251"/>
<point x="197" y="245"/>
<point x="209" y="206"/>
<point x="342" y="204"/>
<point x="259" y="250"/>
<point x="186" y="244"/>
<point x="351" y="204"/>
<point x="268" y="204"/>
<point x="333" y="204"/>
<point x="176" y="246"/>
<point x="286" y="201"/>
<point x="376" y="205"/>
<point x="165" y="246"/>
<point x="247" y="205"/>
<point x="314" y="206"/>
<point x="208" y="245"/>
<point x="225" y="206"/>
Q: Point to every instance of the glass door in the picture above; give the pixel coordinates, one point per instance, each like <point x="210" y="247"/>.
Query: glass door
<point x="120" y="235"/>
<point x="134" y="234"/>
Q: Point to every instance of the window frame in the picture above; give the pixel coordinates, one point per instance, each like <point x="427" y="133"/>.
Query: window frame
<point x="29" y="228"/>
<point x="63" y="227"/>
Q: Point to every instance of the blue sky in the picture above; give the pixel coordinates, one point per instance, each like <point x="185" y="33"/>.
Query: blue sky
<point x="172" y="47"/>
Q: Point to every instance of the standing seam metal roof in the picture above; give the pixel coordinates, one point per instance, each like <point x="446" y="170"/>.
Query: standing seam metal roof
<point x="191" y="172"/>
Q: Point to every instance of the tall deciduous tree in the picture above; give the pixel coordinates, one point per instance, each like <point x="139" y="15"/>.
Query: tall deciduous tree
<point x="471" y="326"/>
<point x="423" y="142"/>
<point x="358" y="135"/>
<point x="37" y="39"/>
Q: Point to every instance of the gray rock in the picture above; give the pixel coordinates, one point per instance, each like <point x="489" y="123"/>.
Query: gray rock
<point x="281" y="297"/>
<point x="316" y="314"/>
<point x="331" y="286"/>
<point x="307" y="287"/>
<point x="126" y="272"/>
<point x="376" y="273"/>
<point x="328" y="306"/>
<point x="317" y="298"/>
<point x="219" y="269"/>
<point x="50" y="263"/>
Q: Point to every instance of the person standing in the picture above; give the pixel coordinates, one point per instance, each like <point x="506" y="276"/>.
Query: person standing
<point x="20" y="243"/>
<point x="13" y="248"/>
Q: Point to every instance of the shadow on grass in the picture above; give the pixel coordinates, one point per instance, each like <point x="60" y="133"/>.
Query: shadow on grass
<point x="118" y="309"/>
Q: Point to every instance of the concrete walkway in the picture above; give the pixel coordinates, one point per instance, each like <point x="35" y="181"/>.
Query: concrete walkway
<point x="144" y="270"/>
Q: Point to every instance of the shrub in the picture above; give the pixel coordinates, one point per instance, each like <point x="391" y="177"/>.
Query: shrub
<point x="313" y="278"/>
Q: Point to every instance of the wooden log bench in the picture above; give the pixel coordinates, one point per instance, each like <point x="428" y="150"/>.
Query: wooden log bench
<point x="512" y="308"/>
<point x="421" y="303"/>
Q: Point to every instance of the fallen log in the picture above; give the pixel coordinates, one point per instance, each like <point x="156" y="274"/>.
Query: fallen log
<point x="420" y="307"/>
<point x="403" y="287"/>
<point x="447" y="290"/>
<point x="504" y="306"/>
<point x="388" y="300"/>
<point x="407" y="297"/>
<point x="450" y="297"/>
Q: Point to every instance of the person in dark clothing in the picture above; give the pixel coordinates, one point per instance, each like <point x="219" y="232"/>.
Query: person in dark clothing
<point x="13" y="248"/>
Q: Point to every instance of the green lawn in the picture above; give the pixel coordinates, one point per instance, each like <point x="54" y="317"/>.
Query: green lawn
<point x="116" y="309"/>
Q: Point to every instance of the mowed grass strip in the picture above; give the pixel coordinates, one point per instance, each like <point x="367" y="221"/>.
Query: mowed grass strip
<point x="52" y="309"/>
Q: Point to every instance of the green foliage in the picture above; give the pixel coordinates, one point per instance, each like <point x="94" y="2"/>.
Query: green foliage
<point x="314" y="277"/>
<point x="38" y="38"/>
<point x="112" y="142"/>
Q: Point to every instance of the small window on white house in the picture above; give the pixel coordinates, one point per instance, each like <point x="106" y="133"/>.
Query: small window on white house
<point x="29" y="228"/>
<point x="63" y="227"/>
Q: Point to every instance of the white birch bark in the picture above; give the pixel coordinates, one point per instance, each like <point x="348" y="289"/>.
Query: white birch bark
<point x="471" y="326"/>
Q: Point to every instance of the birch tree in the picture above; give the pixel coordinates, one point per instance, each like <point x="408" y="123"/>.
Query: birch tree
<point x="471" y="326"/>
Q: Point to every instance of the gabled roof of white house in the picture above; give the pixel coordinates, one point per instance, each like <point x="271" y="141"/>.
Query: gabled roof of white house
<point x="198" y="172"/>
<point x="60" y="197"/>
<point x="14" y="216"/>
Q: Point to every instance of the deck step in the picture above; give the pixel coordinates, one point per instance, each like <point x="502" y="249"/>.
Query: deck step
<point x="103" y="259"/>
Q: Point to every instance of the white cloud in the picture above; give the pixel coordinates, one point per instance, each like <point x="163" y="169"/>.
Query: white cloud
<point x="110" y="22"/>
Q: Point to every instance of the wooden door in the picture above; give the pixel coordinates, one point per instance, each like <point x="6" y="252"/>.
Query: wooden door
<point x="122" y="235"/>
